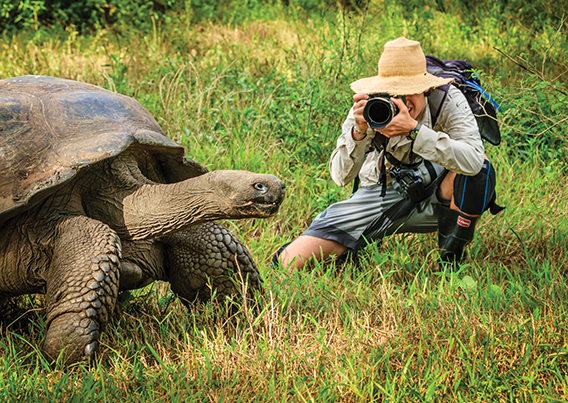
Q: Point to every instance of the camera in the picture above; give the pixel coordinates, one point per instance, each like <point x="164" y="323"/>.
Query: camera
<point x="406" y="182"/>
<point x="380" y="110"/>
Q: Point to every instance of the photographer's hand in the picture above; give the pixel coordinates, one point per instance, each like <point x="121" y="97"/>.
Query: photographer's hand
<point x="401" y="124"/>
<point x="360" y="122"/>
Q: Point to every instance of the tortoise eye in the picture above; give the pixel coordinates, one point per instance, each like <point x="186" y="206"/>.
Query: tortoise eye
<point x="260" y="187"/>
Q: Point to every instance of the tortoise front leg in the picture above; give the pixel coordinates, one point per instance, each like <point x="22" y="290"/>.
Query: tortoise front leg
<point x="82" y="287"/>
<point x="208" y="258"/>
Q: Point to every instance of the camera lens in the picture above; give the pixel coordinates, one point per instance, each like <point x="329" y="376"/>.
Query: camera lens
<point x="379" y="112"/>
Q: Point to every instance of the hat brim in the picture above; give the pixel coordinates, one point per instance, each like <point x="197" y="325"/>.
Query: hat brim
<point x="398" y="85"/>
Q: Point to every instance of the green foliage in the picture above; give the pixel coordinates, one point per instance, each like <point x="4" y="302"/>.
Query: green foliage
<point x="534" y="15"/>
<point x="25" y="14"/>
<point x="84" y="15"/>
<point x="139" y="14"/>
<point x="534" y="119"/>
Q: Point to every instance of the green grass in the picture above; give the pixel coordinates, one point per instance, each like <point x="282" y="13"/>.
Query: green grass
<point x="270" y="96"/>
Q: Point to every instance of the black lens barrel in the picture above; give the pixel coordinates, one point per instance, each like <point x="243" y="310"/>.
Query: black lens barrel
<point x="379" y="112"/>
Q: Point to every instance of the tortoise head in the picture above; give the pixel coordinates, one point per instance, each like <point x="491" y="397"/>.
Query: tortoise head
<point x="247" y="194"/>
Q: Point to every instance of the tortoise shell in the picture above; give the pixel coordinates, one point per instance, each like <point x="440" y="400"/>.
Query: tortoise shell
<point x="52" y="128"/>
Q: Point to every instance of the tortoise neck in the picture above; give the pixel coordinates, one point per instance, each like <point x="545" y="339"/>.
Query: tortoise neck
<point x="137" y="208"/>
<point x="157" y="210"/>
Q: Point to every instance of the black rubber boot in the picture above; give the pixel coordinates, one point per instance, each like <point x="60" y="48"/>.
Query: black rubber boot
<point x="455" y="231"/>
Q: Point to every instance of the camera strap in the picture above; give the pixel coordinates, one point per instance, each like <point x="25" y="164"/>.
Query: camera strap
<point x="380" y="225"/>
<point x="379" y="143"/>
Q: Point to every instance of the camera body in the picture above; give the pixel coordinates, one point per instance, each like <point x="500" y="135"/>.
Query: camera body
<point x="380" y="110"/>
<point x="408" y="183"/>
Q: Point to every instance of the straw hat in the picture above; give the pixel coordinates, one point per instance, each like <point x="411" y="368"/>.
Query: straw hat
<point x="402" y="71"/>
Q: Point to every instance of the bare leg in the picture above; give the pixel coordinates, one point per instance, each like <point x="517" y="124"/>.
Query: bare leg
<point x="305" y="247"/>
<point x="446" y="188"/>
<point x="82" y="287"/>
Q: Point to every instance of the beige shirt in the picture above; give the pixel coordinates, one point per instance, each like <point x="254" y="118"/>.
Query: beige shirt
<point x="454" y="142"/>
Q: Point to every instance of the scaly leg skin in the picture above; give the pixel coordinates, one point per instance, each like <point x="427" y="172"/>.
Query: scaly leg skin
<point x="82" y="287"/>
<point x="208" y="255"/>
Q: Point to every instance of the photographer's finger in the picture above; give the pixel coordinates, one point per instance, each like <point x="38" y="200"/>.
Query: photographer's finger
<point x="360" y="106"/>
<point x="359" y="97"/>
<point x="393" y="129"/>
<point x="385" y="131"/>
<point x="400" y="103"/>
<point x="358" y="112"/>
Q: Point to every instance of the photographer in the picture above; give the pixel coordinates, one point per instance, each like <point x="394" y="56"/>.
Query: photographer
<point x="418" y="177"/>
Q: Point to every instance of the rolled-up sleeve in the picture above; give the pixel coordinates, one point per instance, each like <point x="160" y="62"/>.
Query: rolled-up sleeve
<point x="349" y="155"/>
<point x="455" y="143"/>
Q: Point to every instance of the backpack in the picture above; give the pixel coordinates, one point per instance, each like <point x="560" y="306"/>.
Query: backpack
<point x="484" y="108"/>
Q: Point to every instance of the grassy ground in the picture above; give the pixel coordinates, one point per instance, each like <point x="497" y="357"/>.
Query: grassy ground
<point x="269" y="96"/>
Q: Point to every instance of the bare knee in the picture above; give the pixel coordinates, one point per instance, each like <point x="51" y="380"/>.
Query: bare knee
<point x="446" y="188"/>
<point x="306" y="247"/>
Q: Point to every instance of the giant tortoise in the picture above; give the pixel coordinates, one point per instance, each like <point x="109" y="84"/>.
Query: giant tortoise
<point x="95" y="199"/>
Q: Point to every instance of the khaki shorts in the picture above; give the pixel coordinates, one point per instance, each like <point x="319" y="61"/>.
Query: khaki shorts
<point x="346" y="221"/>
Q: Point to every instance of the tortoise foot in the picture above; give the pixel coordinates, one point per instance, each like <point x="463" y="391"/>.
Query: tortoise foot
<point x="74" y="337"/>
<point x="209" y="260"/>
